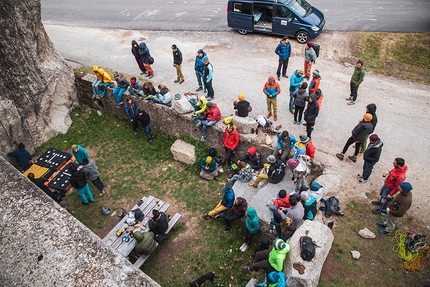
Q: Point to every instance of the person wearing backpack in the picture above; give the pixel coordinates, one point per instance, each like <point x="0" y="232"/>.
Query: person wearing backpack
<point x="274" y="171"/>
<point x="145" y="56"/>
<point x="310" y="57"/>
<point x="310" y="205"/>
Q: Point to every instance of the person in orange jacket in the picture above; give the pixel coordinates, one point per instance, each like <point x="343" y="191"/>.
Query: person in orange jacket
<point x="230" y="142"/>
<point x="315" y="82"/>
<point x="272" y="89"/>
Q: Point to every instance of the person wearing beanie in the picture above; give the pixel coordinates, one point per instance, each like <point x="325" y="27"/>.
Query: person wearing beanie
<point x="285" y="143"/>
<point x="242" y="107"/>
<point x="295" y="80"/>
<point x="272" y="89"/>
<point x="177" y="63"/>
<point x="230" y="142"/>
<point x="146" y="58"/>
<point x="136" y="87"/>
<point x="79" y="153"/>
<point x="208" y="168"/>
<point x="391" y="186"/>
<point x="253" y="158"/>
<point x="136" y="50"/>
<point x="396" y="209"/>
<point x="225" y="203"/>
<point x="121" y="86"/>
<point x="252" y="227"/>
<point x="274" y="279"/>
<point x="309" y="204"/>
<point x="371" y="109"/>
<point x="283" y="50"/>
<point x="371" y="157"/>
<point x="310" y="57"/>
<point x="199" y="69"/>
<point x="270" y="260"/>
<point x="358" y="135"/>
<point x="356" y="79"/>
<point x="315" y="82"/>
<point x="310" y="115"/>
<point x="274" y="171"/>
<point x="207" y="78"/>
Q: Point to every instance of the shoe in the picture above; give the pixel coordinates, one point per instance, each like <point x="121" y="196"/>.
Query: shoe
<point x="240" y="248"/>
<point x="299" y="123"/>
<point x="330" y="224"/>
<point x="175" y="81"/>
<point x="381" y="230"/>
<point x="359" y="175"/>
<point x="376" y="202"/>
<point x="199" y="89"/>
<point x="246" y="269"/>
<point x="205" y="91"/>
<point x="202" y="138"/>
<point x="251" y="184"/>
<point x="219" y="215"/>
<point x="275" y="118"/>
<point x="362" y="181"/>
<point x="205" y="216"/>
<point x="84" y="203"/>
<point x="209" y="99"/>
<point x="227" y="229"/>
<point x="102" y="193"/>
<point x="181" y="81"/>
<point x="198" y="124"/>
<point x="268" y="115"/>
<point x="120" y="103"/>
<point x="353" y="158"/>
<point x="244" y="248"/>
<point x="279" y="78"/>
<point x="150" y="141"/>
<point x="292" y="111"/>
<point x="278" y="127"/>
<point x="379" y="223"/>
<point x="295" y="122"/>
<point x="349" y="99"/>
<point x="135" y="133"/>
<point x="383" y="213"/>
<point x="143" y="73"/>
<point x="376" y="210"/>
<point x="339" y="156"/>
<point x="215" y="178"/>
<point x="351" y="103"/>
<point x="151" y="76"/>
<point x="285" y="76"/>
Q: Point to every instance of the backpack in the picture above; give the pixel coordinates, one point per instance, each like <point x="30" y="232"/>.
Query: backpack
<point x="316" y="48"/>
<point x="331" y="206"/>
<point x="134" y="216"/>
<point x="307" y="248"/>
<point x="276" y="173"/>
<point x="212" y="153"/>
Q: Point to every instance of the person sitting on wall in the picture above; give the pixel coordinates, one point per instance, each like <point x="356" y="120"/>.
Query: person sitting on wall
<point x="242" y="107"/>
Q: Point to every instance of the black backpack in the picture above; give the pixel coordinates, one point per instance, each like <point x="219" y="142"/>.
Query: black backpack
<point x="212" y="153"/>
<point x="307" y="248"/>
<point x="316" y="48"/>
<point x="331" y="206"/>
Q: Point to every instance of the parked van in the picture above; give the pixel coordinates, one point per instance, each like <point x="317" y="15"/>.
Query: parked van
<point x="293" y="18"/>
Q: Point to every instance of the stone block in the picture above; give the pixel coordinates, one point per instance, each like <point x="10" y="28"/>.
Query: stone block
<point x="182" y="106"/>
<point x="323" y="237"/>
<point x="244" y="125"/>
<point x="183" y="152"/>
<point x="366" y="233"/>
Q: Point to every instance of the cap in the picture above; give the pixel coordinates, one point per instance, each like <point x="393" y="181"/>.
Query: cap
<point x="205" y="59"/>
<point x="271" y="158"/>
<point x="309" y="44"/>
<point x="304" y="196"/>
<point x="315" y="186"/>
<point x="241" y="97"/>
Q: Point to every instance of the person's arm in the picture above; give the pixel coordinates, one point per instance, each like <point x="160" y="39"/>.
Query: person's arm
<point x="293" y="141"/>
<point x="279" y="142"/>
<point x="180" y="57"/>
<point x="203" y="163"/>
<point x="210" y="73"/>
<point x="288" y="50"/>
<point x="236" y="140"/>
<point x="278" y="89"/>
<point x="278" y="50"/>
<point x="361" y="78"/>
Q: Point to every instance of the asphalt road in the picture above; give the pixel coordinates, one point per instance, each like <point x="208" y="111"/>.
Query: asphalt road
<point x="211" y="15"/>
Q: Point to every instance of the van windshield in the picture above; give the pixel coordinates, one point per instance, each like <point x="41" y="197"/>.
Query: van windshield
<point x="300" y="7"/>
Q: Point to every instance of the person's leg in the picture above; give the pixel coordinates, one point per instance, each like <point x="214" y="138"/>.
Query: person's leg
<point x="300" y="114"/>
<point x="140" y="64"/>
<point x="211" y="92"/>
<point x="148" y="133"/>
<point x="296" y="111"/>
<point x="259" y="178"/>
<point x="230" y="217"/>
<point x="88" y="193"/>
<point x="95" y="86"/>
<point x="261" y="255"/>
<point x="285" y="153"/>
<point x="391" y="223"/>
<point x="149" y="69"/>
<point x="217" y="210"/>
<point x="275" y="106"/>
<point x="199" y="77"/>
<point x="291" y="104"/>
<point x="285" y="66"/>
<point x="98" y="183"/>
<point x="105" y="86"/>
<point x="307" y="70"/>
<point x="354" y="91"/>
<point x="349" y="142"/>
<point x="120" y="93"/>
<point x="181" y="75"/>
<point x="273" y="208"/>
<point x="206" y="175"/>
<point x="367" y="170"/>
<point x="206" y="124"/>
<point x="269" y="107"/>
<point x="308" y="130"/>
<point x="228" y="155"/>
<point x="385" y="191"/>
<point x="280" y="63"/>
<point x="249" y="239"/>
<point x="81" y="192"/>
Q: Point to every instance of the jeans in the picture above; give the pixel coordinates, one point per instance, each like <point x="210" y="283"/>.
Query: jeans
<point x="229" y="217"/>
<point x="85" y="190"/>
<point x="235" y="178"/>
<point x="199" y="76"/>
<point x="354" y="91"/>
<point x="206" y="124"/>
<point x="385" y="191"/>
<point x="102" y="91"/>
<point x="349" y="142"/>
<point x="148" y="132"/>
<point x="134" y="92"/>
<point x="95" y="86"/>
<point x="211" y="92"/>
<point x="98" y="183"/>
<point x="292" y="100"/>
<point x="117" y="93"/>
<point x="298" y="111"/>
<point x="283" y="63"/>
<point x="367" y="169"/>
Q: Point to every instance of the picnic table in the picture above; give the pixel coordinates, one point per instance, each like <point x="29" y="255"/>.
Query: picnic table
<point x="123" y="247"/>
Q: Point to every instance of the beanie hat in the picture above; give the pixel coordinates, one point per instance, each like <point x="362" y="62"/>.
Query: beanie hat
<point x="115" y="74"/>
<point x="241" y="97"/>
<point x="316" y="72"/>
<point x="406" y="186"/>
<point x="271" y="158"/>
<point x="309" y="44"/>
<point x="304" y="196"/>
<point x="282" y="193"/>
<point x="301" y="71"/>
<point x="205" y="59"/>
<point x="200" y="51"/>
<point x="208" y="159"/>
<point x="279" y="244"/>
<point x="367" y="117"/>
<point x="273" y="277"/>
<point x="174" y="46"/>
<point x="374" y="138"/>
<point x="315" y="186"/>
<point x="74" y="146"/>
<point x="293" y="162"/>
<point x="252" y="150"/>
<point x="304" y="139"/>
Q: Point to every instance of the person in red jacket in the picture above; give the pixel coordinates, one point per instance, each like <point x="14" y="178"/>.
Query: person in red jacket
<point x="230" y="142"/>
<point x="391" y="185"/>
<point x="211" y="116"/>
<point x="310" y="150"/>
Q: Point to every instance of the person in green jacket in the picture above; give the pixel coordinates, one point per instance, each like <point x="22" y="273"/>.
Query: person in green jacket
<point x="209" y="170"/>
<point x="145" y="243"/>
<point x="356" y="79"/>
<point x="79" y="153"/>
<point x="200" y="108"/>
<point x="270" y="260"/>
<point x="252" y="227"/>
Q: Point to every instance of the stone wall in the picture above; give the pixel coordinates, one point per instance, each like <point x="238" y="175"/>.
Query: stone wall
<point x="43" y="245"/>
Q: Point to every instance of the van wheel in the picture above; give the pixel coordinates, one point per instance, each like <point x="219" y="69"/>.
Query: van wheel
<point x="302" y="37"/>
<point x="243" y="32"/>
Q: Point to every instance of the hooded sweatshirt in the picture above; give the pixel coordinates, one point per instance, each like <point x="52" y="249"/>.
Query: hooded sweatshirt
<point x="300" y="95"/>
<point x="277" y="279"/>
<point x="315" y="83"/>
<point x="252" y="158"/>
<point x="22" y="157"/>
<point x="202" y="104"/>
<point x="242" y="108"/>
<point x="395" y="177"/>
<point x="78" y="179"/>
<point x="144" y="53"/>
<point x="105" y="76"/>
<point x="295" y="81"/>
<point x="361" y="130"/>
<point x="231" y="139"/>
<point x="228" y="197"/>
<point x="159" y="225"/>
<point x="373" y="152"/>
<point x="311" y="112"/>
<point x="252" y="221"/>
<point x="91" y="170"/>
<point x="372" y="110"/>
<point x="272" y="91"/>
<point x="277" y="257"/>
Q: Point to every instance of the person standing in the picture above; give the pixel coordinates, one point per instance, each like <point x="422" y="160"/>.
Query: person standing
<point x="144" y="118"/>
<point x="315" y="82"/>
<point x="371" y="109"/>
<point x="136" y="51"/>
<point x="199" y="68"/>
<point x="23" y="157"/>
<point x="92" y="173"/>
<point x="391" y="185"/>
<point x="121" y="86"/>
<point x="177" y="63"/>
<point x="311" y="114"/>
<point x="131" y="112"/>
<point x="310" y="57"/>
<point x="145" y="56"/>
<point x="79" y="181"/>
<point x="295" y="81"/>
<point x="283" y="50"/>
<point x="79" y="153"/>
<point x="356" y="79"/>
<point x="230" y="142"/>
<point x="207" y="78"/>
<point x="358" y="135"/>
<point x="300" y="97"/>
<point x="371" y="157"/>
<point x="397" y="209"/>
<point x="272" y="89"/>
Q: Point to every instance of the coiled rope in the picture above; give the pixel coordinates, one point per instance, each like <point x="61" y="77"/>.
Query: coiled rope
<point x="411" y="261"/>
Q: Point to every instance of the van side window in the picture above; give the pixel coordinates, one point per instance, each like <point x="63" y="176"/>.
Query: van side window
<point x="245" y="8"/>
<point x="283" y="12"/>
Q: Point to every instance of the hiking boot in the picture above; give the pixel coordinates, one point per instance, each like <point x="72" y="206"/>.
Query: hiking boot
<point x="181" y="81"/>
<point x="279" y="78"/>
<point x="295" y="122"/>
<point x="227" y="229"/>
<point x="351" y="103"/>
<point x="209" y="99"/>
<point x="353" y="158"/>
<point x="349" y="99"/>
<point x="198" y="124"/>
<point x="362" y="181"/>
<point x="246" y="269"/>
<point x="199" y="89"/>
<point x="299" y="123"/>
<point x="285" y="76"/>
<point x="376" y="210"/>
<point x="383" y="213"/>
<point x="202" y="138"/>
<point x="206" y="216"/>
<point x="151" y="76"/>
<point x="219" y="215"/>
<point x="339" y="156"/>
<point x="175" y="81"/>
<point x="268" y="115"/>
<point x="376" y="202"/>
<point x="275" y="118"/>
<point x="379" y="223"/>
<point x="381" y="230"/>
<point x="251" y="184"/>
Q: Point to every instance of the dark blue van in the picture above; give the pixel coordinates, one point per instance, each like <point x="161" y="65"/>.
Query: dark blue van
<point x="293" y="18"/>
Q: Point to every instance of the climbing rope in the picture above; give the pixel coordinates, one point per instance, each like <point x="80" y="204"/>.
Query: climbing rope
<point x="412" y="261"/>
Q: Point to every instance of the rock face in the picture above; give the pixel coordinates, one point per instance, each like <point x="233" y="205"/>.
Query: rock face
<point x="182" y="106"/>
<point x="38" y="90"/>
<point x="244" y="125"/>
<point x="183" y="152"/>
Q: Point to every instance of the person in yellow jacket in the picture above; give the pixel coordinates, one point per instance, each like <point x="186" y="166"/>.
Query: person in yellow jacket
<point x="103" y="81"/>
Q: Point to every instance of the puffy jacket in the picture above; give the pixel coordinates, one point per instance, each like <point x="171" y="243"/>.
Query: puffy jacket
<point x="164" y="98"/>
<point x="144" y="118"/>
<point x="212" y="165"/>
<point x="310" y="150"/>
<point x="277" y="257"/>
<point x="272" y="91"/>
<point x="198" y="64"/>
<point x="395" y="177"/>
<point x="228" y="197"/>
<point x="361" y="130"/>
<point x="136" y="86"/>
<point x="276" y="171"/>
<point x="78" y="179"/>
<point x="80" y="154"/>
<point x="315" y="84"/>
<point x="22" y="157"/>
<point x="372" y="110"/>
<point x="300" y="96"/>
<point x="291" y="141"/>
<point x="276" y="281"/>
<point x="144" y="53"/>
<point x="282" y="202"/>
<point x="177" y="57"/>
<point x="252" y="221"/>
<point x="122" y="82"/>
<point x="135" y="51"/>
<point x="213" y="114"/>
<point x="373" y="152"/>
<point x="159" y="225"/>
<point x="91" y="171"/>
<point x="311" y="112"/>
<point x="310" y="55"/>
<point x="231" y="139"/>
<point x="283" y="51"/>
<point x="202" y="104"/>
<point x="145" y="243"/>
<point x="131" y="111"/>
<point x="295" y="81"/>
<point x="242" y="108"/>
<point x="310" y="207"/>
<point x="400" y="204"/>
<point x="358" y="75"/>
<point x="105" y="76"/>
<point x="240" y="210"/>
<point x="252" y="158"/>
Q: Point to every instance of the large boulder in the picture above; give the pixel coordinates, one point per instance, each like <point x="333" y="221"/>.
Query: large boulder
<point x="244" y="125"/>
<point x="323" y="237"/>
<point x="182" y="106"/>
<point x="183" y="152"/>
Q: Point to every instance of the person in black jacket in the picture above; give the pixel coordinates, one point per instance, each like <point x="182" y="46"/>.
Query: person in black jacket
<point x="177" y="63"/>
<point x="144" y="118"/>
<point x="158" y="222"/>
<point x="252" y="157"/>
<point x="311" y="114"/>
<point x="79" y="181"/>
<point x="371" y="157"/>
<point x="242" y="106"/>
<point x="135" y="51"/>
<point x="371" y="109"/>
<point x="23" y="157"/>
<point x="40" y="183"/>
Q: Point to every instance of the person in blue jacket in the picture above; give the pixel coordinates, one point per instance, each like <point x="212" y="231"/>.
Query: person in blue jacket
<point x="295" y="81"/>
<point x="285" y="143"/>
<point x="283" y="50"/>
<point x="79" y="153"/>
<point x="199" y="68"/>
<point x="23" y="157"/>
<point x="310" y="205"/>
<point x="225" y="203"/>
<point x="274" y="279"/>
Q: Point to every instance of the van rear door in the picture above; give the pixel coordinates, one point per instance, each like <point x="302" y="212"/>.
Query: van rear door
<point x="283" y="23"/>
<point x="239" y="15"/>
